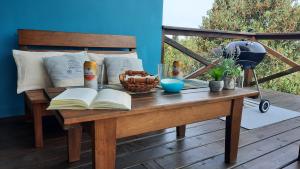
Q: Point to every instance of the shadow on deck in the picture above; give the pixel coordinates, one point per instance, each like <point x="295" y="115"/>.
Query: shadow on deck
<point x="273" y="146"/>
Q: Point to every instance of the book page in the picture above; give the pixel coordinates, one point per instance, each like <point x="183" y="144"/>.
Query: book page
<point x="76" y="98"/>
<point x="112" y="99"/>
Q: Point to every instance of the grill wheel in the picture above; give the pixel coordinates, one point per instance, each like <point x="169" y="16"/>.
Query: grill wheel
<point x="264" y="105"/>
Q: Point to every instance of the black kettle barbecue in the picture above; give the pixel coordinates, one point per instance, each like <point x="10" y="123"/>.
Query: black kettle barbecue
<point x="248" y="54"/>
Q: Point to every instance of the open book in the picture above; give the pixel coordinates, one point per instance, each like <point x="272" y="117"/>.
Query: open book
<point x="86" y="98"/>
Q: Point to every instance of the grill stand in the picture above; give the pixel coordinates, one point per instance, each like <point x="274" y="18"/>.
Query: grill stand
<point x="257" y="86"/>
<point x="264" y="104"/>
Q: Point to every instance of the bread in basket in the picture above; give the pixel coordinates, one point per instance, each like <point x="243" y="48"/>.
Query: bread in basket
<point x="138" y="81"/>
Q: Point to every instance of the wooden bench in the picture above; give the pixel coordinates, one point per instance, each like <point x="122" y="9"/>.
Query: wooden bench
<point x="37" y="40"/>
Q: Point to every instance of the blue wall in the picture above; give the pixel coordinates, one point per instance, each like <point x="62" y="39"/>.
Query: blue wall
<point x="141" y="18"/>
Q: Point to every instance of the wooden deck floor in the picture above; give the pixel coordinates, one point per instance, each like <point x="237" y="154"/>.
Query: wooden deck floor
<point x="274" y="146"/>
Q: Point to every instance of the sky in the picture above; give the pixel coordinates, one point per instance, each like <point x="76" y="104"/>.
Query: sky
<point x="185" y="13"/>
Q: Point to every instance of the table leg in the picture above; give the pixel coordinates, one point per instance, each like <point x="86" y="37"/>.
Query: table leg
<point x="38" y="125"/>
<point x="233" y="123"/>
<point x="74" y="143"/>
<point x="104" y="144"/>
<point x="180" y="131"/>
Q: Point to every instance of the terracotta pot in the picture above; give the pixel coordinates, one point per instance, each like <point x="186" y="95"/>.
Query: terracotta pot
<point x="216" y="86"/>
<point x="229" y="83"/>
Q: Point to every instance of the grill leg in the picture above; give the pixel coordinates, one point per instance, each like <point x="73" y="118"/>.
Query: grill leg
<point x="257" y="86"/>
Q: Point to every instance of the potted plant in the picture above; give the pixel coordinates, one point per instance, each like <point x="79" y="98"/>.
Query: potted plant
<point x="231" y="72"/>
<point x="217" y="74"/>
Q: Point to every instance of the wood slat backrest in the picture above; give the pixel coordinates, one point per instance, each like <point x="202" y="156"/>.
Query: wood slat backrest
<point x="69" y="39"/>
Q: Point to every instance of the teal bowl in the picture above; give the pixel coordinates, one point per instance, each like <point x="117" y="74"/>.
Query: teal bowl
<point x="172" y="85"/>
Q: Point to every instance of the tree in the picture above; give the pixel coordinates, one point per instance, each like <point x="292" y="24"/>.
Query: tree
<point x="262" y="16"/>
<point x="257" y="15"/>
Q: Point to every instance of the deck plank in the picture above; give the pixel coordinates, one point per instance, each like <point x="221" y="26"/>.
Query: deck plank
<point x="57" y="153"/>
<point x="275" y="159"/>
<point x="168" y="144"/>
<point x="170" y="135"/>
<point x="252" y="151"/>
<point x="273" y="140"/>
<point x="170" y="148"/>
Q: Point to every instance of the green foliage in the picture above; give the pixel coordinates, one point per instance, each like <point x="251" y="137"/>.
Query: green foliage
<point x="217" y="73"/>
<point x="249" y="15"/>
<point x="230" y="68"/>
<point x="189" y="64"/>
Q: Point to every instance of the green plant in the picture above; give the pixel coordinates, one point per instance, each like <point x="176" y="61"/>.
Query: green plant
<point x="231" y="69"/>
<point x="217" y="73"/>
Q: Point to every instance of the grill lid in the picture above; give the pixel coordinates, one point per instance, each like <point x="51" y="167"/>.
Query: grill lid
<point x="248" y="54"/>
<point x="235" y="48"/>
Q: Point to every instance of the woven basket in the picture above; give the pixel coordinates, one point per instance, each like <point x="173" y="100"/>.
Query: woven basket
<point x="138" y="84"/>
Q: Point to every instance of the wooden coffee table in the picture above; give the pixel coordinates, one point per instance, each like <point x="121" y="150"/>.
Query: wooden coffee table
<point x="151" y="112"/>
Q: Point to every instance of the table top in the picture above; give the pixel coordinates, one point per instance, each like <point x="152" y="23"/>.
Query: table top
<point x="149" y="102"/>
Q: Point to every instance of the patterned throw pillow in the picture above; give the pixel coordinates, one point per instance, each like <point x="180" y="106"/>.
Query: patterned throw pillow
<point x="117" y="65"/>
<point x="66" y="70"/>
<point x="99" y="59"/>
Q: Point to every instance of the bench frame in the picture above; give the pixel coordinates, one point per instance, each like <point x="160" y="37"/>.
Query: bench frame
<point x="36" y="101"/>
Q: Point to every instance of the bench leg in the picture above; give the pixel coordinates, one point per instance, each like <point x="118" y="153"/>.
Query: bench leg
<point x="38" y="125"/>
<point x="233" y="122"/>
<point x="28" y="115"/>
<point x="74" y="143"/>
<point x="180" y="131"/>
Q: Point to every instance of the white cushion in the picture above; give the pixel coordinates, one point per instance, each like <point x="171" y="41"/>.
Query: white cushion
<point x="117" y="65"/>
<point x="99" y="59"/>
<point x="66" y="70"/>
<point x="31" y="72"/>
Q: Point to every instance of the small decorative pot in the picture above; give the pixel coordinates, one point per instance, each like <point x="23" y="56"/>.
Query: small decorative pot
<point x="216" y="86"/>
<point x="229" y="83"/>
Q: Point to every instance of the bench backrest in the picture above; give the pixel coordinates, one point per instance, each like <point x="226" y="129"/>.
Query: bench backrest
<point x="38" y="40"/>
